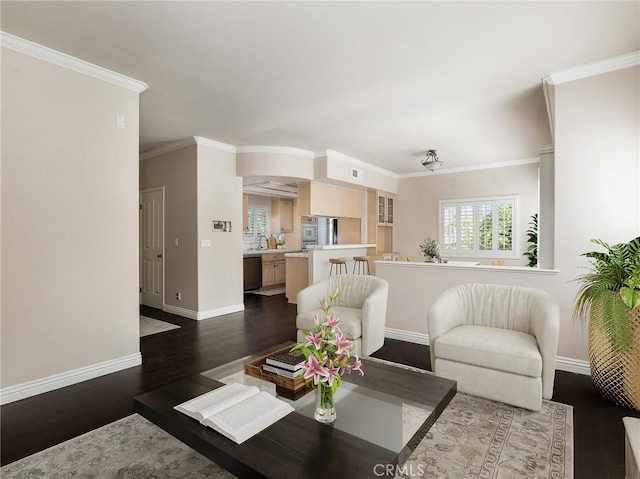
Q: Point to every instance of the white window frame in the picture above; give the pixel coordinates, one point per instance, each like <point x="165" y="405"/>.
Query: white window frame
<point x="476" y="252"/>
<point x="250" y="237"/>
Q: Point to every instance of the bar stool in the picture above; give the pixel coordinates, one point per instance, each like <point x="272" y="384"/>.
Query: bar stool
<point x="340" y="263"/>
<point x="361" y="261"/>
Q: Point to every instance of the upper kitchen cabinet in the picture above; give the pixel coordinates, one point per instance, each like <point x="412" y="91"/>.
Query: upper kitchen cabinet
<point x="324" y="199"/>
<point x="282" y="215"/>
<point x="380" y="220"/>
<point x="286" y="215"/>
<point x="385" y="209"/>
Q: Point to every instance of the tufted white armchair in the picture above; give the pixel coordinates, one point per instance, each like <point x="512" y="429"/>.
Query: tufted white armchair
<point x="362" y="308"/>
<point x="496" y="341"/>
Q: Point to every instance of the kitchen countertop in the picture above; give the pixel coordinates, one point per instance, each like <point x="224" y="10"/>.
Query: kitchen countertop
<point x="340" y="246"/>
<point x="260" y="252"/>
<point x="296" y="255"/>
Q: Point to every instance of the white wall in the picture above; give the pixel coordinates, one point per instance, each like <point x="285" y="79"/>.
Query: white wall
<point x="177" y="172"/>
<point x="69" y="221"/>
<point x="416" y="206"/>
<point x="220" y="274"/>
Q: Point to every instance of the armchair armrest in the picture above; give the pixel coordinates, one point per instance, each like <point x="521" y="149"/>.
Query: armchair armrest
<point x="545" y="325"/>
<point x="374" y="315"/>
<point x="446" y="313"/>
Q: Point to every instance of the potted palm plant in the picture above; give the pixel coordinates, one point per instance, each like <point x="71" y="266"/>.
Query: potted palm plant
<point x="532" y="250"/>
<point x="609" y="299"/>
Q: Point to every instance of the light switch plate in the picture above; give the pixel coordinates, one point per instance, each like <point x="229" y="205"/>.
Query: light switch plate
<point x="205" y="243"/>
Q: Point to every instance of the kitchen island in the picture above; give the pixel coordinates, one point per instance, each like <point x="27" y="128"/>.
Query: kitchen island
<point x="319" y="258"/>
<point x="309" y="267"/>
<point x="314" y="264"/>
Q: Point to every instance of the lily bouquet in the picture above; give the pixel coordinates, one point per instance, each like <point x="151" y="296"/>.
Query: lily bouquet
<point x="329" y="354"/>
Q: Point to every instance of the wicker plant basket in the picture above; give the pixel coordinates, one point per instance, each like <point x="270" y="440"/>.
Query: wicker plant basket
<point x="615" y="376"/>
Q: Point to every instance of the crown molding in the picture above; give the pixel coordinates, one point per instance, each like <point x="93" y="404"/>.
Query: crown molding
<point x="462" y="169"/>
<point x="169" y="147"/>
<point x="595" y="68"/>
<point x="546" y="149"/>
<point x="214" y="144"/>
<point x="349" y="159"/>
<point x="192" y="140"/>
<point x="47" y="54"/>
<point x="287" y="150"/>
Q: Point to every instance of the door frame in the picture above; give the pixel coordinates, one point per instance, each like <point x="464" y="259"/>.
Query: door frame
<point x="140" y="193"/>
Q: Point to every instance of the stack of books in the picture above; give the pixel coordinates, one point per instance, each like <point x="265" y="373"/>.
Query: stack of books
<point x="287" y="364"/>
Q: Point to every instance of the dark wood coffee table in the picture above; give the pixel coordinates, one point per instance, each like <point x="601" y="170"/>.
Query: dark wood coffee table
<point x="297" y="445"/>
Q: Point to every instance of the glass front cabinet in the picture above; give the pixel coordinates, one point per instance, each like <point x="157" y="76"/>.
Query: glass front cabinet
<point x="385" y="209"/>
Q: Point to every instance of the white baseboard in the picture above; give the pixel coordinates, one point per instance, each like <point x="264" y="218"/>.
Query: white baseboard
<point x="186" y="313"/>
<point x="408" y="336"/>
<point x="198" y="315"/>
<point x="212" y="313"/>
<point x="571" y="365"/>
<point x="39" y="386"/>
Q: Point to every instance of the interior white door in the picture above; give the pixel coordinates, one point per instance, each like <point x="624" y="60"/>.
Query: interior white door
<point x="152" y="247"/>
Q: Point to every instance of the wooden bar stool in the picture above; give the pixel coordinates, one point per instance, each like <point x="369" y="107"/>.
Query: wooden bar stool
<point x="340" y="264"/>
<point x="361" y="261"/>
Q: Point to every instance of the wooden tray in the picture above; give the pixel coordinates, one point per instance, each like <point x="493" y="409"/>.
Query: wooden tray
<point x="289" y="388"/>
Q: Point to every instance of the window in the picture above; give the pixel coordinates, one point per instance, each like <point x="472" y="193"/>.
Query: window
<point x="478" y="226"/>
<point x="258" y="218"/>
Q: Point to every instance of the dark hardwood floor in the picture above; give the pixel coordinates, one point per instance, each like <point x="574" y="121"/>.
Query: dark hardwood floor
<point x="42" y="421"/>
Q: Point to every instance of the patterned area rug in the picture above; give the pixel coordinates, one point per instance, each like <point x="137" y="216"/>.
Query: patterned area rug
<point x="131" y="448"/>
<point x="474" y="438"/>
<point x="152" y="326"/>
<point x="482" y="439"/>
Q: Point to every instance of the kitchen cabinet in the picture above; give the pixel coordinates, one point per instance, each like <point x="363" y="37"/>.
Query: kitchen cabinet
<point x="297" y="277"/>
<point x="286" y="215"/>
<point x="274" y="269"/>
<point x="385" y="209"/>
<point x="380" y="220"/>
<point x="324" y="199"/>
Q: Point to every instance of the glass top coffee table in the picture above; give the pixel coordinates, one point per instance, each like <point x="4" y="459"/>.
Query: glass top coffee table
<point x="382" y="417"/>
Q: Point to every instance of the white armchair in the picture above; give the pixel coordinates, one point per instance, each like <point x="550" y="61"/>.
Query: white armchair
<point x="496" y="341"/>
<point x="362" y="308"/>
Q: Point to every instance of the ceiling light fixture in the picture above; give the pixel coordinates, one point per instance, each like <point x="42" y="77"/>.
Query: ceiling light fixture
<point x="431" y="162"/>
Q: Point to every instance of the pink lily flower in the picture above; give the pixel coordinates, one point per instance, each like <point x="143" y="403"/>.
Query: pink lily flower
<point x="316" y="320"/>
<point x="314" y="339"/>
<point x="342" y="344"/>
<point x="356" y="365"/>
<point x="332" y="321"/>
<point x="333" y="373"/>
<point x="314" y="369"/>
<point x="341" y="358"/>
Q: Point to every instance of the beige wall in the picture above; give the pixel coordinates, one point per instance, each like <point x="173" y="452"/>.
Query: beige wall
<point x="219" y="270"/>
<point x="597" y="195"/>
<point x="597" y="158"/>
<point x="275" y="164"/>
<point x="177" y="172"/>
<point x="341" y="169"/>
<point x="416" y="205"/>
<point x="69" y="220"/>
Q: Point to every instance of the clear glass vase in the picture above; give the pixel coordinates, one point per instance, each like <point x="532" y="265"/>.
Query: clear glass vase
<point x="325" y="405"/>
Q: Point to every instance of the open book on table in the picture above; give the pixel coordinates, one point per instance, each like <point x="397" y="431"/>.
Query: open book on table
<point x="235" y="410"/>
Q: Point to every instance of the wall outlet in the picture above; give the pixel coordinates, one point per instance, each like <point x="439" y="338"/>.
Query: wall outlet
<point x="179" y="296"/>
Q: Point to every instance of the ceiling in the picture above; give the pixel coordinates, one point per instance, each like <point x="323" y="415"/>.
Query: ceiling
<point x="379" y="81"/>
